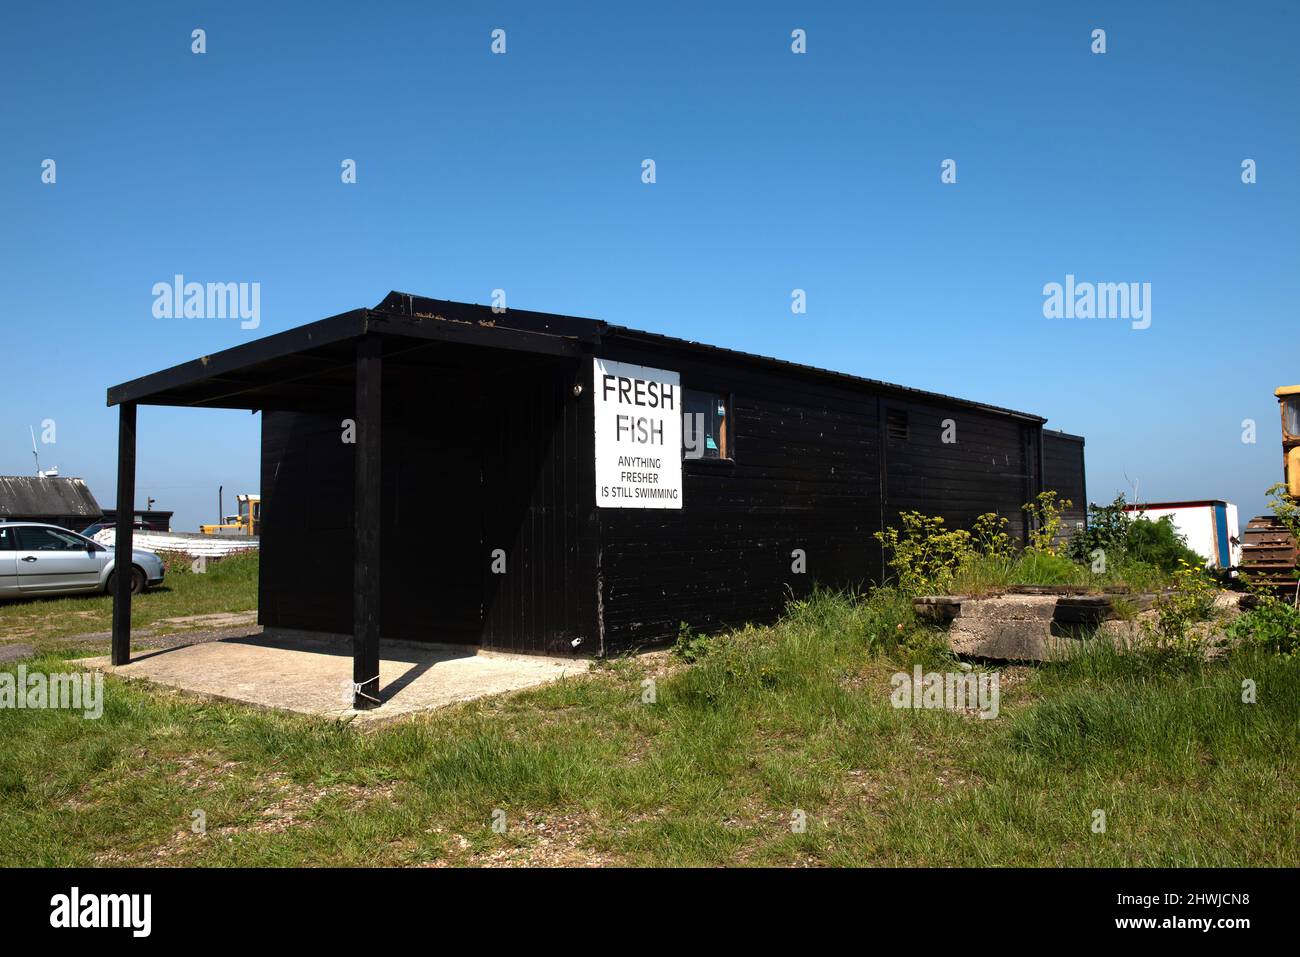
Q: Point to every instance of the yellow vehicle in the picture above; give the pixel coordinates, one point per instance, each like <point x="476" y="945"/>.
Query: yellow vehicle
<point x="247" y="522"/>
<point x="1268" y="551"/>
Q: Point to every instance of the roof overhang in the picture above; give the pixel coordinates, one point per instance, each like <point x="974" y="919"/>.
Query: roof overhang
<point x="314" y="364"/>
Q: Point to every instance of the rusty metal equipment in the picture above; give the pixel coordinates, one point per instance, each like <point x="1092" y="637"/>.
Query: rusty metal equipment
<point x="1268" y="550"/>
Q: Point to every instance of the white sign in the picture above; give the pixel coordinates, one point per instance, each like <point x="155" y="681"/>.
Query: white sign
<point x="638" y="436"/>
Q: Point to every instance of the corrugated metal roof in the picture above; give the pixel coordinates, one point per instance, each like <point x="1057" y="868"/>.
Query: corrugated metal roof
<point x="30" y="496"/>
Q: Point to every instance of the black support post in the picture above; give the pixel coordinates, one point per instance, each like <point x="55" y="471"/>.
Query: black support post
<point x="366" y="610"/>
<point x="124" y="541"/>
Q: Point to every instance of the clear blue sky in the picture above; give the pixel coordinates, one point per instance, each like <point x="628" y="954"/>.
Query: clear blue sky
<point x="775" y="171"/>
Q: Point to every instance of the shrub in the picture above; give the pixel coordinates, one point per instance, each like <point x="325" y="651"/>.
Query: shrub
<point x="1160" y="544"/>
<point x="691" y="646"/>
<point x="1172" y="635"/>
<point x="989" y="536"/>
<point x="1043" y="516"/>
<point x="1107" y="531"/>
<point x="924" y="554"/>
<point x="1124" y="539"/>
<point x="175" y="563"/>
<point x="1272" y="625"/>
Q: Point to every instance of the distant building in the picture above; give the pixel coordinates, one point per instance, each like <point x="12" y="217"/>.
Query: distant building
<point x="152" y="519"/>
<point x="1210" y="527"/>
<point x="66" y="502"/>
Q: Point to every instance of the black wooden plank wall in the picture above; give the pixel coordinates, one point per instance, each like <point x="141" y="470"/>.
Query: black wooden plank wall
<point x="808" y="473"/>
<point x="537" y="476"/>
<point x="430" y="553"/>
<point x="805" y="476"/>
<point x="305" y="572"/>
<point x="991" y="466"/>
<point x="499" y="455"/>
<point x="471" y="463"/>
<point x="432" y="538"/>
<point x="1063" y="471"/>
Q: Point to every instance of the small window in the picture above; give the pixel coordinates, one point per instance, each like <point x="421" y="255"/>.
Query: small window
<point x="896" y="425"/>
<point x="8" y="539"/>
<point x="706" y="425"/>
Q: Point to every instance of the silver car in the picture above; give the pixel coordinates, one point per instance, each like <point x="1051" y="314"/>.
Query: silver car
<point x="38" y="559"/>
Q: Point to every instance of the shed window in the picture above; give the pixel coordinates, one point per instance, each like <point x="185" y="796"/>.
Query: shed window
<point x="706" y="425"/>
<point x="896" y="424"/>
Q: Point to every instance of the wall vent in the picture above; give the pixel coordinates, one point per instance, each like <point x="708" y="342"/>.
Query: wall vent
<point x="896" y="425"/>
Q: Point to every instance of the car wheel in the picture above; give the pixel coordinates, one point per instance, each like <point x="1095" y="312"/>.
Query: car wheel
<point x="137" y="581"/>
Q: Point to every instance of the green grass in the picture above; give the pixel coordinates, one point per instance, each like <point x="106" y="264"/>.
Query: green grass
<point x="230" y="585"/>
<point x="766" y="723"/>
<point x="984" y="574"/>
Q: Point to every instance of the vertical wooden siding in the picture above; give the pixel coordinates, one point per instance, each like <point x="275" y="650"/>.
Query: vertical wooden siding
<point x="815" y="469"/>
<point x="991" y="467"/>
<point x="805" y="476"/>
<point x="500" y="456"/>
<point x="471" y="463"/>
<point x="536" y="469"/>
<point x="305" y="572"/>
<point x="1063" y="471"/>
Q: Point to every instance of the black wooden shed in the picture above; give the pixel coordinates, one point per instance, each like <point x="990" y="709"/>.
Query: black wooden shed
<point x="443" y="472"/>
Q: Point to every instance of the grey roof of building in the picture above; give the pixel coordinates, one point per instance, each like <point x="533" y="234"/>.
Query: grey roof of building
<point x="26" y="496"/>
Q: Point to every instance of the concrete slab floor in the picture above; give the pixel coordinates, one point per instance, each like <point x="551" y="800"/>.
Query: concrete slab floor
<point x="313" y="675"/>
